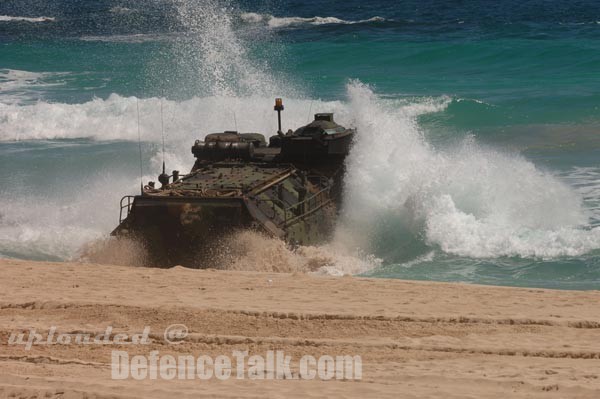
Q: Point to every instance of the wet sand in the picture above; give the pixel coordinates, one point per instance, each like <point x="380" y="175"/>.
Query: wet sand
<point x="416" y="339"/>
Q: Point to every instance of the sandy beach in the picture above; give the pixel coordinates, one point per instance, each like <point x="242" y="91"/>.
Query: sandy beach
<point x="416" y="339"/>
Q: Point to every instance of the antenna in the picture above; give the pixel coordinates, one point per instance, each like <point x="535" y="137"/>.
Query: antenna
<point x="235" y="121"/>
<point x="137" y="103"/>
<point x="162" y="131"/>
<point x="309" y="111"/>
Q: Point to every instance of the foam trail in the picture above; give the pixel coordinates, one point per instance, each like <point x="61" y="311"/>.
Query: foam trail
<point x="130" y="38"/>
<point x="121" y="10"/>
<point x="8" y="18"/>
<point x="18" y="87"/>
<point x="468" y="200"/>
<point x="282" y="22"/>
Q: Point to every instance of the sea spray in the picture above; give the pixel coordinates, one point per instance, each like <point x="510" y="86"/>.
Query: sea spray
<point x="212" y="56"/>
<point x="465" y="199"/>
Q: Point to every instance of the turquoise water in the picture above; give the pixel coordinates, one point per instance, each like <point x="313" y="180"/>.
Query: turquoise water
<point x="477" y="158"/>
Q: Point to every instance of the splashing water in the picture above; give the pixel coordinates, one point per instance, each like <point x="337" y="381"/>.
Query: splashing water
<point x="212" y="52"/>
<point x="468" y="200"/>
<point x="253" y="251"/>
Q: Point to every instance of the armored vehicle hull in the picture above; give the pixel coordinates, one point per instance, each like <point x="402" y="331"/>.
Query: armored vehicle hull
<point x="289" y="190"/>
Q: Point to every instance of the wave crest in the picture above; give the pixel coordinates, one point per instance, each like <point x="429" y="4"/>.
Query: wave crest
<point x="8" y="18"/>
<point x="467" y="200"/>
<point x="282" y="22"/>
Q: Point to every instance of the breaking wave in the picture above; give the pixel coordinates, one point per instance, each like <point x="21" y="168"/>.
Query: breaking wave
<point x="466" y="199"/>
<point x="121" y="10"/>
<point x="130" y="38"/>
<point x="282" y="22"/>
<point x="18" y="86"/>
<point x="7" y="18"/>
<point x="116" y="118"/>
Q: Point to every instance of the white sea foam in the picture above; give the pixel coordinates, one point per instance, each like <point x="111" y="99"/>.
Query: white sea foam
<point x="468" y="200"/>
<point x="11" y="78"/>
<point x="17" y="87"/>
<point x="281" y="22"/>
<point x="79" y="218"/>
<point x="586" y="181"/>
<point x="8" y="18"/>
<point x="53" y="222"/>
<point x="131" y="38"/>
<point x="252" y="17"/>
<point x="116" y="118"/>
<point x="121" y="10"/>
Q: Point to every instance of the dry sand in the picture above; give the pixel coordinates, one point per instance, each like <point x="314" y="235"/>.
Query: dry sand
<point x="416" y="339"/>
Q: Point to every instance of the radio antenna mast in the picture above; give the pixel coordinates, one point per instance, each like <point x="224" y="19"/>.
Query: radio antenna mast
<point x="162" y="130"/>
<point x="137" y="103"/>
<point x="235" y="121"/>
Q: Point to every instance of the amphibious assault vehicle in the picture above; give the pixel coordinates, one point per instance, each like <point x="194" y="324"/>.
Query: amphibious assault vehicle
<point x="289" y="188"/>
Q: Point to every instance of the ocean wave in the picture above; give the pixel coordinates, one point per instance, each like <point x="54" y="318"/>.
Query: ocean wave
<point x="115" y="118"/>
<point x="466" y="199"/>
<point x="121" y="10"/>
<point x="586" y="181"/>
<point x="281" y="22"/>
<point x="10" y="78"/>
<point x="465" y="234"/>
<point x="131" y="38"/>
<point x="19" y="86"/>
<point x="7" y="18"/>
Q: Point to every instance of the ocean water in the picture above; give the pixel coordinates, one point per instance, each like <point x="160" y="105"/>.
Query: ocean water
<point x="478" y="152"/>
